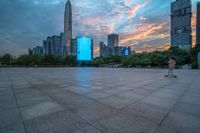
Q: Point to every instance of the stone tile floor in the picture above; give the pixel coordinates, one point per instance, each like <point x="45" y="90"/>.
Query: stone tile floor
<point x="98" y="100"/>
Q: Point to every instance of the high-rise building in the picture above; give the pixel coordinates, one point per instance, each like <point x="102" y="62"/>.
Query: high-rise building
<point x="113" y="41"/>
<point x="118" y="50"/>
<point x="181" y="30"/>
<point x="49" y="46"/>
<point x="44" y="44"/>
<point x="30" y="51"/>
<point x="84" y="48"/>
<point x="57" y="49"/>
<point x="198" y="25"/>
<point x="38" y="50"/>
<point x="73" y="46"/>
<point x="34" y="51"/>
<point x="126" y="51"/>
<point x="68" y="24"/>
<point x="103" y="49"/>
<point x="63" y="42"/>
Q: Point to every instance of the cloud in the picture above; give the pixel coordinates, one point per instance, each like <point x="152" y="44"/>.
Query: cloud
<point x="134" y="9"/>
<point x="146" y="32"/>
<point x="25" y="23"/>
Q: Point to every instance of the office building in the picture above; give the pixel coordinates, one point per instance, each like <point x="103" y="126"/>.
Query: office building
<point x="68" y="25"/>
<point x="126" y="51"/>
<point x="49" y="46"/>
<point x="56" y="46"/>
<point x="103" y="49"/>
<point x="181" y="30"/>
<point x="63" y="42"/>
<point x="30" y="51"/>
<point x="113" y="41"/>
<point x="84" y="48"/>
<point x="198" y="25"/>
<point x="73" y="46"/>
<point x="38" y="50"/>
<point x="45" y="47"/>
<point x="118" y="50"/>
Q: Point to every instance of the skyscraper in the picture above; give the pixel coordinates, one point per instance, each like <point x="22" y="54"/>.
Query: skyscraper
<point x="198" y="25"/>
<point x="181" y="30"/>
<point x="63" y="42"/>
<point x="103" y="49"/>
<point x="49" y="46"/>
<point x="73" y="46"/>
<point x="57" y="49"/>
<point x="113" y="41"/>
<point x="44" y="44"/>
<point x="68" y="24"/>
<point x="30" y="51"/>
<point x="38" y="50"/>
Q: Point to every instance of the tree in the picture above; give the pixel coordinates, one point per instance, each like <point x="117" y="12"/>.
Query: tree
<point x="98" y="61"/>
<point x="6" y="59"/>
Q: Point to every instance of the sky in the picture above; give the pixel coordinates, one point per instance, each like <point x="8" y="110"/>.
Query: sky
<point x="142" y="24"/>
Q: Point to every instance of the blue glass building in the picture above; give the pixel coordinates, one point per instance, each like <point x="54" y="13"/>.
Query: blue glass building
<point x="84" y="48"/>
<point x="126" y="51"/>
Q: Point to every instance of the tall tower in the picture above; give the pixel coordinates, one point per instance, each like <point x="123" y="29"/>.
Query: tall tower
<point x="181" y="30"/>
<point x="68" y="24"/>
<point x="113" y="41"/>
<point x="198" y="25"/>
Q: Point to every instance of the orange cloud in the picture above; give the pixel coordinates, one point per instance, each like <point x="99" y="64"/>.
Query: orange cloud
<point x="96" y="51"/>
<point x="134" y="9"/>
<point x="146" y="32"/>
<point x="147" y="48"/>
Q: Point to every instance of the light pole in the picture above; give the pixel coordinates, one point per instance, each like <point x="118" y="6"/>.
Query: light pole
<point x="10" y="61"/>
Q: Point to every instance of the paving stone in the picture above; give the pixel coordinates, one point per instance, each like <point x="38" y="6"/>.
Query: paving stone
<point x="9" y="118"/>
<point x="98" y="94"/>
<point x="13" y="129"/>
<point x="99" y="100"/>
<point x="89" y="129"/>
<point x="6" y="95"/>
<point x="116" y="102"/>
<point x="190" y="99"/>
<point x="160" y="102"/>
<point x="180" y="123"/>
<point x="124" y="124"/>
<point x="93" y="111"/>
<point x="61" y="122"/>
<point x="149" y="111"/>
<point x="192" y="109"/>
<point x="8" y="104"/>
<point x="40" y="109"/>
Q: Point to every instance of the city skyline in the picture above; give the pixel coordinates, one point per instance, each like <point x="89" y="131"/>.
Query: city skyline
<point x="130" y="19"/>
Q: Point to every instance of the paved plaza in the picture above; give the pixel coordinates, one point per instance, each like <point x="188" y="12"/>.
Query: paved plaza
<point x="98" y="100"/>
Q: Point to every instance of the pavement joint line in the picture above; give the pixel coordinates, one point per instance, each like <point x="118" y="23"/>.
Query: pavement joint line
<point x="78" y="95"/>
<point x="172" y="108"/>
<point x="68" y="109"/>
<point x="176" y="83"/>
<point x="18" y="108"/>
<point x="143" y="97"/>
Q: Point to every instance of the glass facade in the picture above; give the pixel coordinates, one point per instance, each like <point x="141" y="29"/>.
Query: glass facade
<point x="126" y="51"/>
<point x="84" y="48"/>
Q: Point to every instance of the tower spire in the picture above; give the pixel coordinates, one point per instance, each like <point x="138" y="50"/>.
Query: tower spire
<point x="68" y="24"/>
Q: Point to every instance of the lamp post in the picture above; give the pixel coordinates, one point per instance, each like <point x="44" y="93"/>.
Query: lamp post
<point x="198" y="59"/>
